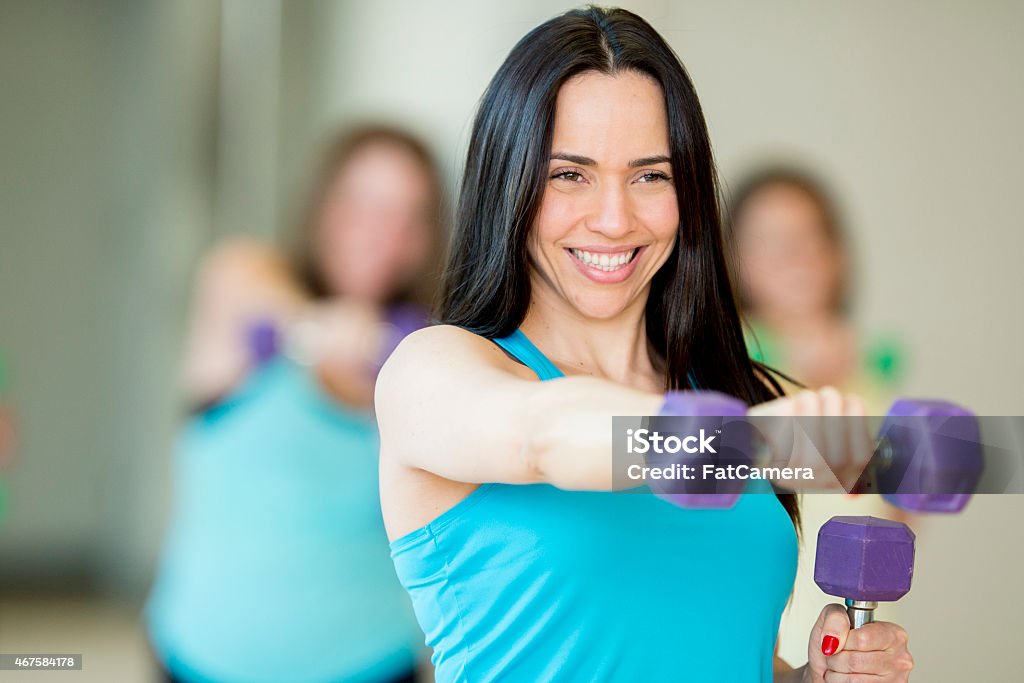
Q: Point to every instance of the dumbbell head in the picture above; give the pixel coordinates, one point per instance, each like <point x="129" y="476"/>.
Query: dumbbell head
<point x="407" y="318"/>
<point x="262" y="340"/>
<point x="864" y="559"/>
<point x="686" y="413"/>
<point x="399" y="322"/>
<point x="933" y="460"/>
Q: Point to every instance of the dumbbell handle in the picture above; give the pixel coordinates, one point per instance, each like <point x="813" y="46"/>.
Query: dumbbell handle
<point x="860" y="612"/>
<point x="884" y="448"/>
<point x="302" y="340"/>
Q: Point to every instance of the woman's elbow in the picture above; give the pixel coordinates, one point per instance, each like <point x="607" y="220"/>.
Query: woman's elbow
<point x="548" y="444"/>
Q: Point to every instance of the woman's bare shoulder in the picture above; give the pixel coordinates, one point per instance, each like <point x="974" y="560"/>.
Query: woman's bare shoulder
<point x="441" y="348"/>
<point x="447" y="364"/>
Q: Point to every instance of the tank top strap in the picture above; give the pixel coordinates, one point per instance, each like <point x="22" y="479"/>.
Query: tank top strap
<point x="519" y="346"/>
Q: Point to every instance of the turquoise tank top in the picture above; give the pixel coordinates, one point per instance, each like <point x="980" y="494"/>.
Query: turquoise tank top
<point x="276" y="564"/>
<point x="534" y="583"/>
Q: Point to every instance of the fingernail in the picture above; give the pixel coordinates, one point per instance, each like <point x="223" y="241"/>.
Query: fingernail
<point x="829" y="645"/>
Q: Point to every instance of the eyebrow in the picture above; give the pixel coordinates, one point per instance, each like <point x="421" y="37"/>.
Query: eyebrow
<point x="587" y="161"/>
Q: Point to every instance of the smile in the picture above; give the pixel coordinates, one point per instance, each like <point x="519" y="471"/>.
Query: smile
<point x="603" y="265"/>
<point x="606" y="261"/>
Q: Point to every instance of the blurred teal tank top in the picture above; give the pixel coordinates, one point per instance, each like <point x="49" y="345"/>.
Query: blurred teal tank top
<point x="276" y="564"/>
<point x="534" y="583"/>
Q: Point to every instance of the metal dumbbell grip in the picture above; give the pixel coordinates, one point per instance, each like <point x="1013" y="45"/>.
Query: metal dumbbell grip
<point x="860" y="612"/>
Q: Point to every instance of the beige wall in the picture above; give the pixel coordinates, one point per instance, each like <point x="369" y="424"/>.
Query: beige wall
<point x="105" y="199"/>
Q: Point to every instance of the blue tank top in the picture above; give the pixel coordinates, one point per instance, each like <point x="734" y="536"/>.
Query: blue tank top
<point x="534" y="583"/>
<point x="276" y="564"/>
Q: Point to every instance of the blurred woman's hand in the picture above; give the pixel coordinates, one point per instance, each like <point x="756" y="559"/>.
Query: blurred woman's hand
<point x="836" y="450"/>
<point x="344" y="342"/>
<point x="337" y="335"/>
<point x="837" y="653"/>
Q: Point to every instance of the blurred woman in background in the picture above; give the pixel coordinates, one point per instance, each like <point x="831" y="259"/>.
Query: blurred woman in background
<point x="792" y="269"/>
<point x="276" y="564"/>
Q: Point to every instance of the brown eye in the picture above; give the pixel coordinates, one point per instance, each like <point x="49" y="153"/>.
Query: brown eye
<point x="571" y="176"/>
<point x="653" y="177"/>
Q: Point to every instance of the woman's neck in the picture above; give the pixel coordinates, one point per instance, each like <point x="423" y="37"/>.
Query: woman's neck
<point x="615" y="348"/>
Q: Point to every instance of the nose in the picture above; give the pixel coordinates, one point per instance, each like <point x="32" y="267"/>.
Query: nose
<point x="611" y="214"/>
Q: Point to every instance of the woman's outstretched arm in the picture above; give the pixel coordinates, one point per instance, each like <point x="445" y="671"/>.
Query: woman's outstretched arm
<point x="239" y="281"/>
<point x="452" y="403"/>
<point x="243" y="282"/>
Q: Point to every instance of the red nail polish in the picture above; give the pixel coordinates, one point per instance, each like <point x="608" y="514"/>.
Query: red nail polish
<point x="829" y="645"/>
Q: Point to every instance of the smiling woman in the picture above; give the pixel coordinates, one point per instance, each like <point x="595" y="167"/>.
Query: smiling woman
<point x="585" y="278"/>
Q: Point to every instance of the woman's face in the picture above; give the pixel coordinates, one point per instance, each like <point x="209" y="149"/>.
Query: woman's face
<point x="375" y="229"/>
<point x="608" y="218"/>
<point x="789" y="265"/>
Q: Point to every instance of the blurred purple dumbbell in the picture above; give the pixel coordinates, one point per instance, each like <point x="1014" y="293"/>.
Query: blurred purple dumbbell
<point x="864" y="561"/>
<point x="400" y="321"/>
<point x="262" y="340"/>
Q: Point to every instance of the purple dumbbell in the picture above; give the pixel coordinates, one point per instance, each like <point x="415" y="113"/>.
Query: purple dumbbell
<point x="929" y="457"/>
<point x="864" y="560"/>
<point x="689" y="413"/>
<point x="401" y="320"/>
<point x="262" y="340"/>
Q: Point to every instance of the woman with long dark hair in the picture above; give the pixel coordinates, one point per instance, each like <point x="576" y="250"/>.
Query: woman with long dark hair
<point x="275" y="566"/>
<point x="586" y="278"/>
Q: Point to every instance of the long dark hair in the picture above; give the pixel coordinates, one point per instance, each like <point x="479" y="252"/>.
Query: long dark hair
<point x="692" y="323"/>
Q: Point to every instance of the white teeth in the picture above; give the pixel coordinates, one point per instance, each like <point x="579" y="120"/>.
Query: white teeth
<point x="604" y="261"/>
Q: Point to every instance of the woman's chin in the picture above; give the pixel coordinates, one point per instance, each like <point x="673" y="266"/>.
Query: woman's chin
<point x="601" y="310"/>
